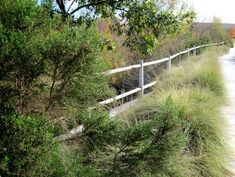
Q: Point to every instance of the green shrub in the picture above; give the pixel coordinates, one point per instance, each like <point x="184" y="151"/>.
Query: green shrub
<point x="27" y="148"/>
<point x="49" y="65"/>
<point x="197" y="41"/>
<point x="23" y="140"/>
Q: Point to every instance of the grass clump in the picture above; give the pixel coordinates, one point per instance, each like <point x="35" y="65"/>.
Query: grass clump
<point x="184" y="114"/>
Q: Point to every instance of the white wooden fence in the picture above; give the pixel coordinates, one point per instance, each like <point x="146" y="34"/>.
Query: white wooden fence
<point x="141" y="67"/>
<point x="78" y="130"/>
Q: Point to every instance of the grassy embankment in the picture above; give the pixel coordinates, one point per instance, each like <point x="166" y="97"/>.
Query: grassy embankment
<point x="184" y="113"/>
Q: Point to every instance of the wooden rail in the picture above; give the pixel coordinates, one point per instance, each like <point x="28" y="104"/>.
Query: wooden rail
<point x="78" y="130"/>
<point x="141" y="66"/>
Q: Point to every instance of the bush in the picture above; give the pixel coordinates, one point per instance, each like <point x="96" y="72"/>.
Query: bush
<point x="197" y="41"/>
<point x="23" y="140"/>
<point x="27" y="148"/>
<point x="49" y="65"/>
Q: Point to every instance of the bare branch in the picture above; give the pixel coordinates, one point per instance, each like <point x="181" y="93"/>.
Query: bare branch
<point x="52" y="87"/>
<point x="88" y="5"/>
<point x="61" y="5"/>
<point x="70" y="6"/>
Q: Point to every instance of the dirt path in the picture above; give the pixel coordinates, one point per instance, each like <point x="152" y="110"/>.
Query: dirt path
<point x="228" y="69"/>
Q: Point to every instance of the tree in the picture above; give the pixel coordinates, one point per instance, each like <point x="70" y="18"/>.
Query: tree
<point x="218" y="32"/>
<point x="142" y="22"/>
<point x="204" y="33"/>
<point x="20" y="59"/>
<point x="46" y="62"/>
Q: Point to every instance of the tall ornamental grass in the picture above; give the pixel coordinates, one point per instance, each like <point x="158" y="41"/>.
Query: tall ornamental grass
<point x="184" y="113"/>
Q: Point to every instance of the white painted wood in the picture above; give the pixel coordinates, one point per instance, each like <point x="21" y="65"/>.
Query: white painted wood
<point x="175" y="55"/>
<point x="78" y="130"/>
<point x="184" y="52"/>
<point x="195" y="52"/>
<point x="141" y="71"/>
<point x="169" y="64"/>
<point x="123" y="95"/>
<point x="180" y="59"/>
<point x="118" y="70"/>
<point x="141" y="77"/>
<point x="150" y="84"/>
<point x="190" y="49"/>
<point x="156" y="62"/>
<point x="188" y="54"/>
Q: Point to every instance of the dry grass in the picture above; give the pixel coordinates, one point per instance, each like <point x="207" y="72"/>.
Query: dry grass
<point x="197" y="92"/>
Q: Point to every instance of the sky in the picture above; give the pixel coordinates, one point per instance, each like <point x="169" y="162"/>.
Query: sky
<point x="207" y="9"/>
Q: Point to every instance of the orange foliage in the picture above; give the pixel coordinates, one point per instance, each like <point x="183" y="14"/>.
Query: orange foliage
<point x="231" y="32"/>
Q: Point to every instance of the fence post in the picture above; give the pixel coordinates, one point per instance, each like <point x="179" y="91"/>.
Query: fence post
<point x="180" y="62"/>
<point x="169" y="64"/>
<point x="141" y="77"/>
<point x="194" y="51"/>
<point x="188" y="54"/>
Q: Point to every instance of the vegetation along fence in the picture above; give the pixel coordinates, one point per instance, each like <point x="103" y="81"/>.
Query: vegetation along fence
<point x="75" y="131"/>
<point x="141" y="67"/>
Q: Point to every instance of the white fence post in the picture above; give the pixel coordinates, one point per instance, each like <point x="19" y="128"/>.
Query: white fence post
<point x="180" y="62"/>
<point x="194" y="51"/>
<point x="169" y="64"/>
<point x="188" y="54"/>
<point x="141" y="77"/>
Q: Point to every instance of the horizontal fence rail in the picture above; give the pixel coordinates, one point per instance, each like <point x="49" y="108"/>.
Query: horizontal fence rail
<point x="143" y="64"/>
<point x="119" y="70"/>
